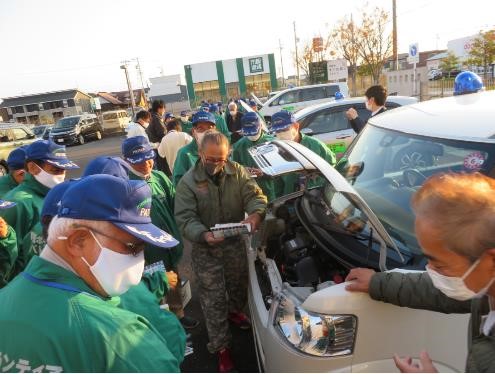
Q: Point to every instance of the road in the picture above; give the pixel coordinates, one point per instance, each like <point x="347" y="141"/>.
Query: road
<point x="201" y="360"/>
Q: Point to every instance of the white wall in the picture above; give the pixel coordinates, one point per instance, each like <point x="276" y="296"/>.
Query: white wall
<point x="230" y="71"/>
<point x="461" y="47"/>
<point x="400" y="81"/>
<point x="203" y="72"/>
<point x="165" y="85"/>
<point x="266" y="66"/>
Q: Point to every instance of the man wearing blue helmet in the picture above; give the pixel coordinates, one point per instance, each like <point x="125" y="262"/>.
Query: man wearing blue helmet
<point x="253" y="135"/>
<point x="188" y="155"/>
<point x="467" y="82"/>
<point x="286" y="127"/>
<point x="15" y="163"/>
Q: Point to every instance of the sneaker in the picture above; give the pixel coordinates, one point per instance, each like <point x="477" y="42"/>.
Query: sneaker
<point x="225" y="364"/>
<point x="240" y="319"/>
<point x="189" y="322"/>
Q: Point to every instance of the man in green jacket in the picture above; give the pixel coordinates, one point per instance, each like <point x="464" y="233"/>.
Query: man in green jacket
<point x="217" y="191"/>
<point x="186" y="125"/>
<point x="287" y="128"/>
<point x="15" y="163"/>
<point x="253" y="135"/>
<point x="66" y="300"/>
<point x="188" y="155"/>
<point x="455" y="226"/>
<point x="137" y="151"/>
<point x="8" y="246"/>
<point x="46" y="163"/>
<point x="220" y="121"/>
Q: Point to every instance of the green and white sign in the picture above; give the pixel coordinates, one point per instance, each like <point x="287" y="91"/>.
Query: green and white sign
<point x="256" y="65"/>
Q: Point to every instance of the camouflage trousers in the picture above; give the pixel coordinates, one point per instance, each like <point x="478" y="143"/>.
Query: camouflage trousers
<point x="222" y="276"/>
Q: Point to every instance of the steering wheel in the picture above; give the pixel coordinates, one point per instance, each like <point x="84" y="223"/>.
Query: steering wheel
<point x="413" y="177"/>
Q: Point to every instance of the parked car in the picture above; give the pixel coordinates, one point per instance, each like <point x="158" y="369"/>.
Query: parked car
<point x="297" y="98"/>
<point x="329" y="123"/>
<point x="76" y="129"/>
<point x="42" y="131"/>
<point x="434" y="74"/>
<point x="360" y="216"/>
<point x="12" y="136"/>
<point x="115" y="121"/>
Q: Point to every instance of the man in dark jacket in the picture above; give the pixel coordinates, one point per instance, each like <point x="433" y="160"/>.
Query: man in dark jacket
<point x="376" y="96"/>
<point x="233" y="118"/>
<point x="156" y="131"/>
<point x="455" y="226"/>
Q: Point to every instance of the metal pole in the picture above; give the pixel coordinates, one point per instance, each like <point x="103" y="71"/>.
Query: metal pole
<point x="281" y="63"/>
<point x="414" y="81"/>
<point x="394" y="34"/>
<point x="297" y="56"/>
<point x="129" y="87"/>
<point x="138" y="67"/>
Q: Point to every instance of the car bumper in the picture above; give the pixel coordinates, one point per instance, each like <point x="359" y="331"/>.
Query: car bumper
<point x="65" y="139"/>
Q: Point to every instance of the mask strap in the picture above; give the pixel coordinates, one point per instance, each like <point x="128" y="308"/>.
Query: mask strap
<point x="471" y="268"/>
<point x="96" y="240"/>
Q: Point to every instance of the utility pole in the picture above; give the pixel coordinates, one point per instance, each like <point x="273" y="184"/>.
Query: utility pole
<point x="281" y="62"/>
<point x="129" y="87"/>
<point x="140" y="72"/>
<point x="394" y="34"/>
<point x="297" y="55"/>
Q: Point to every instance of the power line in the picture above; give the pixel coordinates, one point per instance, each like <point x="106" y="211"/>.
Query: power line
<point x="69" y="69"/>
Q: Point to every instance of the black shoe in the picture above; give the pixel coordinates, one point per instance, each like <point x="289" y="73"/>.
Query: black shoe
<point x="189" y="322"/>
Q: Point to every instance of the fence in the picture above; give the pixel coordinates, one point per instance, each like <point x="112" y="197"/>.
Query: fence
<point x="445" y="87"/>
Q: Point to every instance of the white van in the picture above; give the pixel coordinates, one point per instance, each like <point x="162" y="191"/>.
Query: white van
<point x="296" y="98"/>
<point x="115" y="121"/>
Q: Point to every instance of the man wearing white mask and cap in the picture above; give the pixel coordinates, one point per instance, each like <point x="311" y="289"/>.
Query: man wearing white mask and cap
<point x="455" y="226"/>
<point x="61" y="313"/>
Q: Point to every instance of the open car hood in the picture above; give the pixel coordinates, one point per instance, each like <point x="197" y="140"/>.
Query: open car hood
<point x="255" y="98"/>
<point x="277" y="158"/>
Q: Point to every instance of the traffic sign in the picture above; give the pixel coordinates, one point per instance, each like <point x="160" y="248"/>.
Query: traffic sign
<point x="413" y="57"/>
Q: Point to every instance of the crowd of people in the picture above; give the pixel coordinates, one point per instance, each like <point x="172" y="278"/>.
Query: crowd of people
<point x="88" y="266"/>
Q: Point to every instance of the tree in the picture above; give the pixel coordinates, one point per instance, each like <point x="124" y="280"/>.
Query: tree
<point x="449" y="63"/>
<point x="374" y="41"/>
<point x="344" y="40"/>
<point x="483" y="51"/>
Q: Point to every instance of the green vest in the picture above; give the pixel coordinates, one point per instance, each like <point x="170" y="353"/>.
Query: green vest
<point x="186" y="159"/>
<point x="46" y="328"/>
<point x="221" y="125"/>
<point x="8" y="256"/>
<point x="7" y="183"/>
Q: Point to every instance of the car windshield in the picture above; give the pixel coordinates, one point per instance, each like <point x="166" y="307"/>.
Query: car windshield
<point x="68" y="122"/>
<point x="387" y="167"/>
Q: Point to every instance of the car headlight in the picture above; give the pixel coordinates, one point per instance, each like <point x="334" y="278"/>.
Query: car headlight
<point x="312" y="333"/>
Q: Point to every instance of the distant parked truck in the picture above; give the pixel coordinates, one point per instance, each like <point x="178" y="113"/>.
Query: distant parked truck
<point x="115" y="121"/>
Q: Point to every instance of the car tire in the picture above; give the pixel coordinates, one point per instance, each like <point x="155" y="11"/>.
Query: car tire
<point x="4" y="169"/>
<point x="80" y="139"/>
<point x="98" y="135"/>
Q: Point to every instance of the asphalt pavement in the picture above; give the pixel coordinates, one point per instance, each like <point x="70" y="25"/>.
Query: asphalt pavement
<point x="201" y="360"/>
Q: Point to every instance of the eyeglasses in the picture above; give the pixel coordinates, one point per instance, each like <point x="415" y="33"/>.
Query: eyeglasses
<point x="215" y="160"/>
<point x="132" y="248"/>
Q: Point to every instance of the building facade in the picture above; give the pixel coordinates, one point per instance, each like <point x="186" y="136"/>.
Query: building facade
<point x="45" y="108"/>
<point x="234" y="78"/>
<point x="172" y="91"/>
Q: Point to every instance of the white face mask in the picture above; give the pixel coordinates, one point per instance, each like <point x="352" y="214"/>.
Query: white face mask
<point x="454" y="287"/>
<point x="233" y="113"/>
<point x="254" y="137"/>
<point x="47" y="179"/>
<point x="183" y="119"/>
<point x="286" y="135"/>
<point x="368" y="105"/>
<point x="199" y="137"/>
<point x="145" y="124"/>
<point x="116" y="272"/>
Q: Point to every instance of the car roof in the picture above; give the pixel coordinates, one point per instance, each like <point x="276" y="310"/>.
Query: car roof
<point x="6" y="125"/>
<point x="401" y="100"/>
<point x="279" y="93"/>
<point x="465" y="117"/>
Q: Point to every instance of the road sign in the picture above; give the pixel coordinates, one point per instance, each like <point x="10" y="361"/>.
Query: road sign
<point x="413" y="57"/>
<point x="337" y="69"/>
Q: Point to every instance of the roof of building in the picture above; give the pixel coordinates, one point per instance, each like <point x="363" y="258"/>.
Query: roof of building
<point x="40" y="98"/>
<point x="110" y="98"/>
<point x="423" y="57"/>
<point x="438" y="56"/>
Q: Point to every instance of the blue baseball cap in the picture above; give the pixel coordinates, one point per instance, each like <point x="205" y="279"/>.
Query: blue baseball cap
<point x="213" y="108"/>
<point x="282" y="120"/>
<point x="49" y="152"/>
<point x="250" y="124"/>
<point x="16" y="158"/>
<point x="205" y="108"/>
<point x="4" y="204"/>
<point x="253" y="103"/>
<point x="137" y="149"/>
<point x="219" y="104"/>
<point x="183" y="113"/>
<point x="51" y="203"/>
<point x="108" y="165"/>
<point x="169" y="115"/>
<point x="124" y="203"/>
<point x="203" y="116"/>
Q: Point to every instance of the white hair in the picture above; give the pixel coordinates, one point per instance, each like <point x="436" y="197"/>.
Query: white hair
<point x="232" y="105"/>
<point x="63" y="227"/>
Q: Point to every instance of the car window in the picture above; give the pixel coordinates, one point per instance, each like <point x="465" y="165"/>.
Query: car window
<point x="287" y="98"/>
<point x="5" y="136"/>
<point x="328" y="121"/>
<point x="109" y="116"/>
<point x="20" y="134"/>
<point x="315" y="93"/>
<point x="332" y="90"/>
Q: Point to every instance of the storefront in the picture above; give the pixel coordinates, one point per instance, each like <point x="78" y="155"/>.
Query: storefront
<point x="230" y="79"/>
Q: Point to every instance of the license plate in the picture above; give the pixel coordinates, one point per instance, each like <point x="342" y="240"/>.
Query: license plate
<point x="60" y="140"/>
<point x="338" y="147"/>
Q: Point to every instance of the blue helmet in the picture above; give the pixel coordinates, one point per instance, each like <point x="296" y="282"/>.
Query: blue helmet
<point x="467" y="82"/>
<point x="251" y="124"/>
<point x="339" y="95"/>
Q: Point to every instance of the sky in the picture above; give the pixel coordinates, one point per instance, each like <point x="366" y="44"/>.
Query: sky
<point x="50" y="45"/>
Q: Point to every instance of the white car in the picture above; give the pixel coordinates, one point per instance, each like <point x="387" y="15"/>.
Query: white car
<point x="328" y="121"/>
<point x="297" y="98"/>
<point x="303" y="318"/>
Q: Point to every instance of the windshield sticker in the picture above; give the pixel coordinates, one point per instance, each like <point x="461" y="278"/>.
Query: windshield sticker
<point x="337" y="147"/>
<point x="474" y="161"/>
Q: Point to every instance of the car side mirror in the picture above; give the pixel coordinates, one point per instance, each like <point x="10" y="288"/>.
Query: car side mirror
<point x="307" y="131"/>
